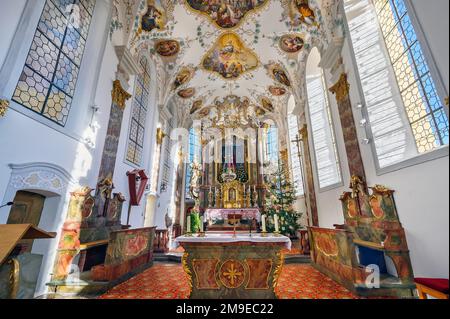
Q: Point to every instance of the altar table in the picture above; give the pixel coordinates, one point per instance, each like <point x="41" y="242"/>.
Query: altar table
<point x="221" y="266"/>
<point x="246" y="213"/>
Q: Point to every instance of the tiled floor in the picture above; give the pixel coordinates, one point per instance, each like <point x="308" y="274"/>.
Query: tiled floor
<point x="168" y="281"/>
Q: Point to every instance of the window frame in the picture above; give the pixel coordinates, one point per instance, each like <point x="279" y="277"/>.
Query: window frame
<point x="437" y="153"/>
<point x="312" y="143"/>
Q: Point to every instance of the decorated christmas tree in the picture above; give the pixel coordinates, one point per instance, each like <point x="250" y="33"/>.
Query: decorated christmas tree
<point x="280" y="198"/>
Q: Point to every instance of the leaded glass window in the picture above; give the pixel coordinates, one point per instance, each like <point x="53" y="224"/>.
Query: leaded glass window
<point x="424" y="108"/>
<point x="297" y="169"/>
<point x="139" y="113"/>
<point x="48" y="80"/>
<point x="323" y="137"/>
<point x="406" y="116"/>
<point x="195" y="151"/>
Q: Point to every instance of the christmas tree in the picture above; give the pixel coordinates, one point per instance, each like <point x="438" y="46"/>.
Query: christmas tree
<point x="280" y="199"/>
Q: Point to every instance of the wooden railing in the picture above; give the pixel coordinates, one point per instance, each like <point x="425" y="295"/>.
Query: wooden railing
<point x="161" y="241"/>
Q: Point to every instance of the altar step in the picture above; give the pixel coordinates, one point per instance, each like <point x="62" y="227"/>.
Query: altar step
<point x="176" y="258"/>
<point x="297" y="259"/>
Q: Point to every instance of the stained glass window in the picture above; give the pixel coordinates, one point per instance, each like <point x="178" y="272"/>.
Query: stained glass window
<point x="139" y="113"/>
<point x="195" y="150"/>
<point x="323" y="137"/>
<point x="406" y="114"/>
<point x="48" y="80"/>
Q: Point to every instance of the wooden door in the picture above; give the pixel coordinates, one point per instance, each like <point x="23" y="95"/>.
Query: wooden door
<point x="27" y="209"/>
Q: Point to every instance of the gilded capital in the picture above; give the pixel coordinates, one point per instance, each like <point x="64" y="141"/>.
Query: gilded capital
<point x="341" y="89"/>
<point x="304" y="132"/>
<point x="119" y="95"/>
<point x="4" y="105"/>
<point x="160" y="135"/>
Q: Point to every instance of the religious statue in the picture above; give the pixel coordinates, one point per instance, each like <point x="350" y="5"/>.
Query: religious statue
<point x="195" y="180"/>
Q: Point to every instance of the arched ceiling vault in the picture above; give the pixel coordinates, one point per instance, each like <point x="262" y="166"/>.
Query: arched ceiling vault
<point x="205" y="51"/>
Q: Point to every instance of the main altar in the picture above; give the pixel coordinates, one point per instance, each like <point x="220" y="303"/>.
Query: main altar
<point x="233" y="265"/>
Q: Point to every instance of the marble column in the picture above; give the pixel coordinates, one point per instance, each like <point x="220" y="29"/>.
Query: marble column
<point x="341" y="90"/>
<point x="108" y="164"/>
<point x="309" y="172"/>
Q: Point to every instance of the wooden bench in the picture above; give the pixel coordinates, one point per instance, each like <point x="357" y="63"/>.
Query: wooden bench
<point x="437" y="288"/>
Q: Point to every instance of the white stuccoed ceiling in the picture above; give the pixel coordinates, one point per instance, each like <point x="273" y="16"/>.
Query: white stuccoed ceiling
<point x="260" y="32"/>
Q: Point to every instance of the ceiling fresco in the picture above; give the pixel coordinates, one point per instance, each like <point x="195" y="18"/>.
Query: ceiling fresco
<point x="205" y="51"/>
<point x="167" y="48"/>
<point x="225" y="14"/>
<point x="230" y="58"/>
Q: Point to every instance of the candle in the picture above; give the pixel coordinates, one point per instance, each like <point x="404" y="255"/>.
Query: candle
<point x="264" y="226"/>
<point x="188" y="226"/>
<point x="277" y="224"/>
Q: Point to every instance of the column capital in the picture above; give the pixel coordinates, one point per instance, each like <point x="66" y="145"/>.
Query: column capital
<point x="304" y="132"/>
<point x="119" y="94"/>
<point x="341" y="89"/>
<point x="4" y="105"/>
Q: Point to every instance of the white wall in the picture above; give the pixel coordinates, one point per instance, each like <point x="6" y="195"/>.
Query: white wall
<point x="421" y="190"/>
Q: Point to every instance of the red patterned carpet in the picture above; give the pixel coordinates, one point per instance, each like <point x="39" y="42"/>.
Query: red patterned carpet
<point x="167" y="281"/>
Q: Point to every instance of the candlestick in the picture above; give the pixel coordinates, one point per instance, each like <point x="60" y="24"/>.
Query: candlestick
<point x="188" y="226"/>
<point x="277" y="224"/>
<point x="264" y="225"/>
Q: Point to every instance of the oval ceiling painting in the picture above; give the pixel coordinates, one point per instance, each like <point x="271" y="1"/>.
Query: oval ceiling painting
<point x="230" y="58"/>
<point x="267" y="105"/>
<point x="167" y="48"/>
<point x="301" y="12"/>
<point x="277" y="90"/>
<point x="154" y="18"/>
<point x="291" y="43"/>
<point x="184" y="76"/>
<point x="225" y="14"/>
<point x="196" y="106"/>
<point x="187" y="93"/>
<point x="277" y="72"/>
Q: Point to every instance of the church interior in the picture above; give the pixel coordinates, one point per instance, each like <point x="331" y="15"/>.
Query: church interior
<point x="224" y="149"/>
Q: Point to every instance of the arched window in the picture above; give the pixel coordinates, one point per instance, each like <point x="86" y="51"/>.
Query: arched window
<point x="323" y="136"/>
<point x="49" y="77"/>
<point x="195" y="155"/>
<point x="297" y="168"/>
<point x="272" y="145"/>
<point x="139" y="114"/>
<point x="406" y="115"/>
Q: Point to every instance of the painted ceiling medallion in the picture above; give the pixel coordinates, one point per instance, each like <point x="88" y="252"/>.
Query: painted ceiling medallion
<point x="277" y="72"/>
<point x="267" y="105"/>
<point x="277" y="90"/>
<point x="301" y="12"/>
<point x="226" y="14"/>
<point x="196" y="106"/>
<point x="187" y="93"/>
<point x="183" y="77"/>
<point x="230" y="58"/>
<point x="291" y="43"/>
<point x="155" y="17"/>
<point x="167" y="48"/>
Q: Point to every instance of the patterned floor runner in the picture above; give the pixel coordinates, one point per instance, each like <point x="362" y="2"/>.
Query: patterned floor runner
<point x="168" y="281"/>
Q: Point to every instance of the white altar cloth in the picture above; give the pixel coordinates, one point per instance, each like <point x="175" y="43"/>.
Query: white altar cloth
<point x="240" y="238"/>
<point x="247" y="213"/>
